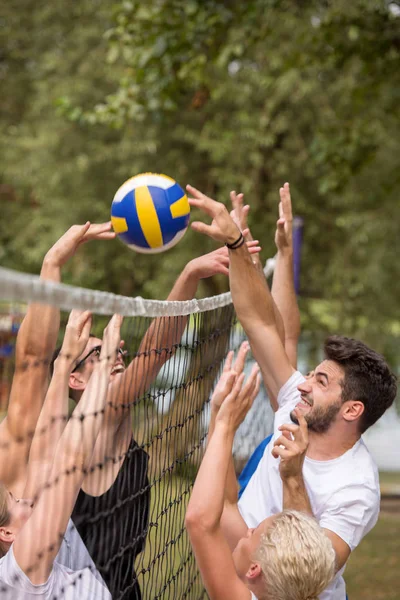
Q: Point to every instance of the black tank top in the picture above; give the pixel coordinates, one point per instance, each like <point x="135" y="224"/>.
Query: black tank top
<point x="114" y="525"/>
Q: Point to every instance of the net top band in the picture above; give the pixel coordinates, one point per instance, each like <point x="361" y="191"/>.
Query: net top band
<point x="26" y="288"/>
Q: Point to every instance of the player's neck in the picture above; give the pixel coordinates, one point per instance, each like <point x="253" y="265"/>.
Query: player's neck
<point x="331" y="444"/>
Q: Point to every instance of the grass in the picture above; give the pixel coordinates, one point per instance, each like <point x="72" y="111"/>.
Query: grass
<point x="169" y="567"/>
<point x="373" y="571"/>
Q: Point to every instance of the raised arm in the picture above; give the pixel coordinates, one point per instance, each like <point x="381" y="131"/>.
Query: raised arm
<point x="251" y="297"/>
<point x="283" y="290"/>
<point x="213" y="555"/>
<point x="54" y="414"/>
<point x="240" y="215"/>
<point x="39" y="540"/>
<point x="232" y="523"/>
<point x="36" y="341"/>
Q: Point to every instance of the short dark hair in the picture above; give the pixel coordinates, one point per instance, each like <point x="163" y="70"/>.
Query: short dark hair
<point x="367" y="377"/>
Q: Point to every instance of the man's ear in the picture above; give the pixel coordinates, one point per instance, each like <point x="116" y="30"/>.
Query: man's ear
<point x="76" y="381"/>
<point x="7" y="535"/>
<point x="352" y="410"/>
<point x="253" y="572"/>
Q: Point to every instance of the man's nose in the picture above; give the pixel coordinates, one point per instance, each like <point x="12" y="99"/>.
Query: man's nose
<point x="304" y="387"/>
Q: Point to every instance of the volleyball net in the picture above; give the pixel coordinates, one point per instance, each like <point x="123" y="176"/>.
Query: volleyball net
<point x="131" y="508"/>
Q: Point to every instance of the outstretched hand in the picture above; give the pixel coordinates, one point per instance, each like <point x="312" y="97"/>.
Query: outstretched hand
<point x="76" y="335"/>
<point x="217" y="262"/>
<point x="240" y="212"/>
<point x="225" y="382"/>
<point x="292" y="446"/>
<point x="240" y="399"/>
<point x="111" y="340"/>
<point x="240" y="215"/>
<point x="284" y="225"/>
<point x="77" y="235"/>
<point x="222" y="228"/>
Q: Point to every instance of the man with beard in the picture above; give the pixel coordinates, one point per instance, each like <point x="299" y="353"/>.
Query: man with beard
<point x="328" y="472"/>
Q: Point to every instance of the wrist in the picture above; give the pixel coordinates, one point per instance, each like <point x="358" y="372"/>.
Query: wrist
<point x="233" y="235"/>
<point x="226" y="428"/>
<point x="214" y="410"/>
<point x="286" y="253"/>
<point x="292" y="482"/>
<point x="50" y="268"/>
<point x="191" y="272"/>
<point x="63" y="364"/>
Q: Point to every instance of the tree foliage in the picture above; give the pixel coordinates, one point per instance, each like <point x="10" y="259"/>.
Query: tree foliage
<point x="224" y="95"/>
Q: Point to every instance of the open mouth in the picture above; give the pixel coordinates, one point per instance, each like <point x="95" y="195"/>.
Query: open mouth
<point x="117" y="369"/>
<point x="305" y="401"/>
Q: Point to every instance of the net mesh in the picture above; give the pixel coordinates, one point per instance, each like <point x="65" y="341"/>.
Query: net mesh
<point x="131" y="508"/>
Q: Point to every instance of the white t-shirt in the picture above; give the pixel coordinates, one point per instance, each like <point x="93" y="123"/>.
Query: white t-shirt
<point x="73" y="577"/>
<point x="344" y="492"/>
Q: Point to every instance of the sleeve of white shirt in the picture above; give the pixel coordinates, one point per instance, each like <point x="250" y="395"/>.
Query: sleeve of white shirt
<point x="13" y="575"/>
<point x="351" y="513"/>
<point x="289" y="394"/>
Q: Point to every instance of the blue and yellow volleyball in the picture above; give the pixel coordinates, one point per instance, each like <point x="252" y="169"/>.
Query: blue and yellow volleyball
<point x="150" y="213"/>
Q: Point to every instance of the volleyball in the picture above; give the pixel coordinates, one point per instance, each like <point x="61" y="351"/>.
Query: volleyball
<point x="150" y="213"/>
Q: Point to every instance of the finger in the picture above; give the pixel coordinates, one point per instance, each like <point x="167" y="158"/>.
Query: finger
<point x="87" y="325"/>
<point x="221" y="270"/>
<point x="98" y="228"/>
<point x="83" y="317"/>
<point x="289" y="427"/>
<point x="237" y="387"/>
<point x="241" y="357"/>
<point x="81" y="231"/>
<point x="74" y="316"/>
<point x="280" y="224"/>
<point x="251" y="382"/>
<point x="255" y="250"/>
<point x="195" y="192"/>
<point x="201" y="204"/>
<point x="256" y="388"/>
<point x="286" y="202"/>
<point x="280" y="207"/>
<point x="287" y="443"/>
<point x="202" y="228"/>
<point x="228" y="362"/>
<point x="109" y="235"/>
<point x="201" y="201"/>
<point x="118" y="320"/>
<point x="233" y="201"/>
<point x="302" y="424"/>
<point x="282" y="452"/>
<point x="251" y="243"/>
<point x="239" y="205"/>
<point x="222" y="260"/>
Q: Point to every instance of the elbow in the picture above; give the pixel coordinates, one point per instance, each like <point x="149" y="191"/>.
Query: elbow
<point x="192" y="519"/>
<point x="196" y="522"/>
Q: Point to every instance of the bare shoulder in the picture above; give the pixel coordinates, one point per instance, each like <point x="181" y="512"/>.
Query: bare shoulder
<point x="108" y="456"/>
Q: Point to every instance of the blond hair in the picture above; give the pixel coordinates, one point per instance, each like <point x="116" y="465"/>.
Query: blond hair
<point x="296" y="557"/>
<point x="4" y="516"/>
